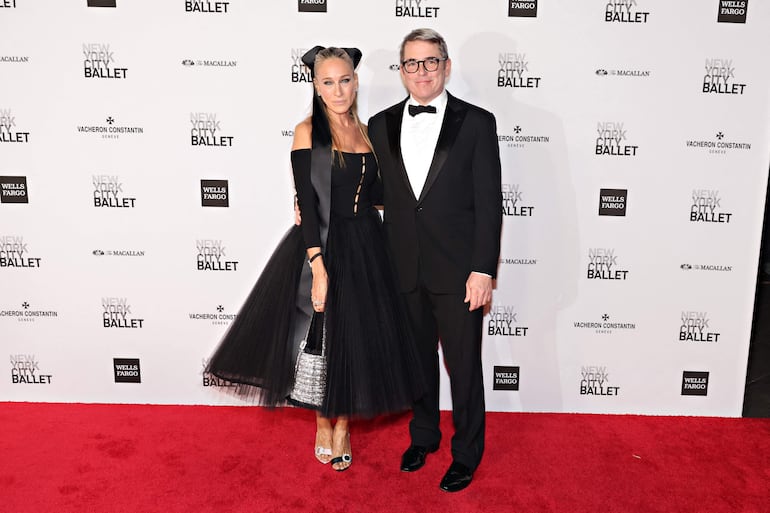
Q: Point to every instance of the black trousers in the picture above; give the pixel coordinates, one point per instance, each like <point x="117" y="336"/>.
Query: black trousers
<point x="445" y="317"/>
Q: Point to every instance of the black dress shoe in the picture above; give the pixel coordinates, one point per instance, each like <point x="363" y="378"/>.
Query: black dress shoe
<point x="456" y="478"/>
<point x="414" y="457"/>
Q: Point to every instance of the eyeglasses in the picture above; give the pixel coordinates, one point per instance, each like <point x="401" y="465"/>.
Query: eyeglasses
<point x="429" y="64"/>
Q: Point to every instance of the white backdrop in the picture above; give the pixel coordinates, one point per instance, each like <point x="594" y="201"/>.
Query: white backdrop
<point x="663" y="329"/>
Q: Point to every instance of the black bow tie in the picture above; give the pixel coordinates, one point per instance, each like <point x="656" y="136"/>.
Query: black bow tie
<point x="417" y="109"/>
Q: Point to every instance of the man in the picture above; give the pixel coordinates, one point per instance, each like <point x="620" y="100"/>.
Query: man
<point x="440" y="166"/>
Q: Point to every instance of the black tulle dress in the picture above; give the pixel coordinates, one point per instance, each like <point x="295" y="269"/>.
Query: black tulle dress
<point x="373" y="366"/>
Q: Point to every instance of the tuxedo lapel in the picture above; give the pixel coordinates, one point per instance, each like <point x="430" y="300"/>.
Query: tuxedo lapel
<point x="394" y="117"/>
<point x="455" y="113"/>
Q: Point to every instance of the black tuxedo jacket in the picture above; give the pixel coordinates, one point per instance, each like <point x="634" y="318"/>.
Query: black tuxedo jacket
<point x="453" y="228"/>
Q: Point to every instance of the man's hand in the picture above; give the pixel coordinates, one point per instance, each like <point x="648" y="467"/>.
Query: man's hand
<point x="478" y="290"/>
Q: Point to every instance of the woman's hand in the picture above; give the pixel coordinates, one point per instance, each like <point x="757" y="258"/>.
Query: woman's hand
<point x="320" y="284"/>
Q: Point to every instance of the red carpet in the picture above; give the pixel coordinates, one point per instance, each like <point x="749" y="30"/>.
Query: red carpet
<point x="139" y="458"/>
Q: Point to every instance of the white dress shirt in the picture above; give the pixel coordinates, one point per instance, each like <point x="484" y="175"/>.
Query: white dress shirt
<point x="419" y="135"/>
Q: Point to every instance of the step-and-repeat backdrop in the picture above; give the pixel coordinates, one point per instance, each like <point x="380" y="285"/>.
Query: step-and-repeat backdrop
<point x="145" y="180"/>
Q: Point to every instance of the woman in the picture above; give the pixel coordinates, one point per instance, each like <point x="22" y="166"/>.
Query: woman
<point x="372" y="366"/>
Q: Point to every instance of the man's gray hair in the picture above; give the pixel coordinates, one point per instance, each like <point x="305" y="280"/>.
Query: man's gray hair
<point x="425" y="34"/>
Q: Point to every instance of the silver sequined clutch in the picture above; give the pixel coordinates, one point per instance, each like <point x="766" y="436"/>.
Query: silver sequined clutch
<point x="310" y="373"/>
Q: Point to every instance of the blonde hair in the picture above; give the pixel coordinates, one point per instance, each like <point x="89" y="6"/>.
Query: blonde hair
<point x="333" y="52"/>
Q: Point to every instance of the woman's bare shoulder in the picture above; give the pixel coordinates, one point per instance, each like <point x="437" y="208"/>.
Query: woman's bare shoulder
<point x="303" y="135"/>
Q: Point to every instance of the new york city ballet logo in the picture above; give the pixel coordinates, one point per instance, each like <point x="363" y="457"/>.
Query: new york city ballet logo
<point x="311" y="5"/>
<point x="15" y="253"/>
<point x="605" y="325"/>
<point x="521" y="138"/>
<point x="111" y="129"/>
<point x="513" y="201"/>
<point x="721" y="144"/>
<point x="116" y="313"/>
<point x="99" y="62"/>
<point x="503" y="321"/>
<point x="108" y="192"/>
<point x="299" y="72"/>
<point x="206" y="7"/>
<point x="612" y="202"/>
<point x="127" y="370"/>
<point x="695" y="383"/>
<point x="416" y="9"/>
<point x="506" y="378"/>
<point x="603" y="265"/>
<point x="28" y="314"/>
<point x="214" y="193"/>
<point x="102" y="3"/>
<point x="514" y="71"/>
<point x="695" y="328"/>
<point x="732" y="11"/>
<point x="9" y="133"/>
<point x="217" y="317"/>
<point x="595" y="380"/>
<point x="213" y="381"/>
<point x="25" y="370"/>
<point x="7" y="4"/>
<point x="522" y="9"/>
<point x="207" y="131"/>
<point x="212" y="256"/>
<point x="612" y="140"/>
<point x="720" y="78"/>
<point x="706" y="207"/>
<point x="624" y="11"/>
<point x="13" y="189"/>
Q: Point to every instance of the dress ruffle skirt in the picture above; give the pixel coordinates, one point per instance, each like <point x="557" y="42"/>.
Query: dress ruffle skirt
<point x="373" y="366"/>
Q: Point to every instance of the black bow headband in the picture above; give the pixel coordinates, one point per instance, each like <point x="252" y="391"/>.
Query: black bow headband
<point x="309" y="58"/>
